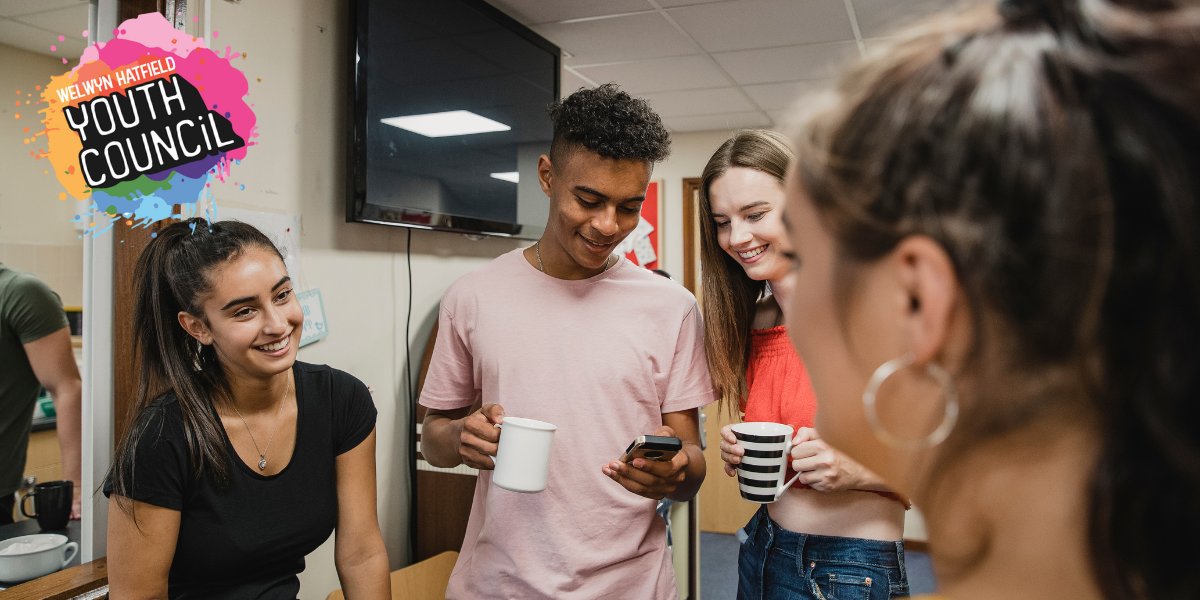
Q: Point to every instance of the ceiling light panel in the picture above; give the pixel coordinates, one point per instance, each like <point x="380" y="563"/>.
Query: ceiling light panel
<point x="446" y="124"/>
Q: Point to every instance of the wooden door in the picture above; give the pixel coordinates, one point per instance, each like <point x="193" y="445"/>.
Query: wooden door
<point x="722" y="509"/>
<point x="131" y="241"/>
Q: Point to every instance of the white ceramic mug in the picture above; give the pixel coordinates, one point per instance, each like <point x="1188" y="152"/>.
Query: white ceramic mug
<point x="768" y="449"/>
<point x="31" y="565"/>
<point x="523" y="457"/>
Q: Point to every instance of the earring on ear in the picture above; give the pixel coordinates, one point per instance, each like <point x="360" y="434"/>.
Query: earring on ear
<point x="881" y="375"/>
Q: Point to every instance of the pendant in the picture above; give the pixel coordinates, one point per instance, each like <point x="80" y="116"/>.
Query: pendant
<point x="262" y="464"/>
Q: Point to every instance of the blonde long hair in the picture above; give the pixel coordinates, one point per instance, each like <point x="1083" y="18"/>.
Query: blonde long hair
<point x="729" y="294"/>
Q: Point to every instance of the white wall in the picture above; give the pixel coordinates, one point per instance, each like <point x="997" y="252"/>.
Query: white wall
<point x="298" y="167"/>
<point x="35" y="233"/>
<point x="689" y="153"/>
<point x="299" y="52"/>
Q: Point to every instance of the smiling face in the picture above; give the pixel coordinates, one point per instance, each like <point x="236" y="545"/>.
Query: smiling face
<point x="595" y="202"/>
<point x="251" y="317"/>
<point x="747" y="209"/>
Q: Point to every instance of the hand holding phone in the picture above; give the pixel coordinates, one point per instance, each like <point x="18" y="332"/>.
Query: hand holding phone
<point x="652" y="467"/>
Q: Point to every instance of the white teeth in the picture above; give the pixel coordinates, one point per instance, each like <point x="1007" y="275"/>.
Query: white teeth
<point x="753" y="253"/>
<point x="276" y="346"/>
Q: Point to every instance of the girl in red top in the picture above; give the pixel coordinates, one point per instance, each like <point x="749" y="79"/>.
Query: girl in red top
<point x="838" y="531"/>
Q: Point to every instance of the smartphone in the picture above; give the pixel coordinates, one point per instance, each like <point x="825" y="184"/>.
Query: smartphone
<point x="653" y="447"/>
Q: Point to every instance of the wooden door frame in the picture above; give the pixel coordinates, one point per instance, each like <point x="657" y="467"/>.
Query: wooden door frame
<point x="133" y="240"/>
<point x="691" y="258"/>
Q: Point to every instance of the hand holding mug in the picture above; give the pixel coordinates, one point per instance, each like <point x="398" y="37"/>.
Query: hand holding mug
<point x="731" y="451"/>
<point x="649" y="478"/>
<point x="820" y="467"/>
<point x="478" y="436"/>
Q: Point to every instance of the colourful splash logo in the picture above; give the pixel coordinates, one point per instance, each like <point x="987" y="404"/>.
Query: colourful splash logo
<point x="145" y="122"/>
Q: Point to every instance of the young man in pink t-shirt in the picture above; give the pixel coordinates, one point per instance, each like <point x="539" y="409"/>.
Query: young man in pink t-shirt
<point x="569" y="333"/>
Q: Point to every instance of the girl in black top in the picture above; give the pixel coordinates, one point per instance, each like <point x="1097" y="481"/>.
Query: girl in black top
<point x="239" y="460"/>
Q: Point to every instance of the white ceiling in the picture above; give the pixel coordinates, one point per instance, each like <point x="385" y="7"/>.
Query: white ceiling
<point x="703" y="64"/>
<point x="35" y="25"/>
<point x="712" y="64"/>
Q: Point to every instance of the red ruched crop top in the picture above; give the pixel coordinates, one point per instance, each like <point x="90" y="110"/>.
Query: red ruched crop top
<point x="779" y="388"/>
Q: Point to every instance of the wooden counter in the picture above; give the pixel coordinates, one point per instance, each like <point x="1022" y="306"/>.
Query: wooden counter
<point x="62" y="585"/>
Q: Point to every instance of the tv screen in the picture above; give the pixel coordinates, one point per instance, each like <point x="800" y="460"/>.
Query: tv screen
<point x="448" y="117"/>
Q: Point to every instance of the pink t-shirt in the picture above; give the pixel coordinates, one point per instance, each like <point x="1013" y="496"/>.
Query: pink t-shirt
<point x="602" y="358"/>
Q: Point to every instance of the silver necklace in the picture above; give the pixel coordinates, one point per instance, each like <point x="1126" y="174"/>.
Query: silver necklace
<point x="538" y="252"/>
<point x="262" y="463"/>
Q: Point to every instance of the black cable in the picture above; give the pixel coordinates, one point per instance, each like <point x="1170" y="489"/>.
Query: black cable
<point x="410" y="397"/>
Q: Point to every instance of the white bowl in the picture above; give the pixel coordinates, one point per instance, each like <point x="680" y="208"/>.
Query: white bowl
<point x="31" y="565"/>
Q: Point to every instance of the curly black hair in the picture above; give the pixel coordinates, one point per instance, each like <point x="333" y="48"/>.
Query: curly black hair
<point x="610" y="123"/>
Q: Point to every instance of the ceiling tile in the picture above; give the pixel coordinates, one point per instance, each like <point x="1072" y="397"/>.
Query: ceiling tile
<point x="877" y="43"/>
<point x="783" y="121"/>
<point x="778" y="96"/>
<point x="674" y="3"/>
<point x="792" y="63"/>
<point x="34" y="39"/>
<point x="68" y="22"/>
<point x="542" y="11"/>
<point x="699" y="102"/>
<point x="659" y="75"/>
<point x="879" y="17"/>
<point x="747" y="24"/>
<point x="726" y="121"/>
<point x="16" y="8"/>
<point x="635" y="37"/>
<point x="571" y="83"/>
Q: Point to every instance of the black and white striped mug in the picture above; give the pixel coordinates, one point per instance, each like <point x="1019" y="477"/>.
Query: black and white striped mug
<point x="768" y="448"/>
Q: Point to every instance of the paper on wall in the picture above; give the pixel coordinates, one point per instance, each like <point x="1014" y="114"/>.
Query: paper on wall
<point x="643" y="250"/>
<point x="629" y="244"/>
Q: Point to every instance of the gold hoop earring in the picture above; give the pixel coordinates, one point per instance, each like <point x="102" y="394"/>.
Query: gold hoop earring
<point x="881" y="375"/>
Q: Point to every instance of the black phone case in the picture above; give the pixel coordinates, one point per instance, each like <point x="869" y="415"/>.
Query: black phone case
<point x="653" y="447"/>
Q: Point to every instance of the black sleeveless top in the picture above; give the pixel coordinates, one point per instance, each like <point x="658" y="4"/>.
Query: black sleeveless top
<point x="250" y="539"/>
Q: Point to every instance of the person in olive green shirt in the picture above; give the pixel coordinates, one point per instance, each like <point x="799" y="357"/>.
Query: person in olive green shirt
<point x="35" y="352"/>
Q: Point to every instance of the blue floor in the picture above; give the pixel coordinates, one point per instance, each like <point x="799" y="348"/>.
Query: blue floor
<point x="718" y="568"/>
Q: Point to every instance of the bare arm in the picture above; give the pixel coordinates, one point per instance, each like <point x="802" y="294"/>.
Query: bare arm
<point x="53" y="364"/>
<point x="140" y="555"/>
<point x="678" y="479"/>
<point x="453" y="437"/>
<point x="359" y="554"/>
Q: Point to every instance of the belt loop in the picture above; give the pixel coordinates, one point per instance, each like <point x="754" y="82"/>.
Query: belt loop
<point x="770" y="525"/>
<point x="754" y="525"/>
<point x="900" y="561"/>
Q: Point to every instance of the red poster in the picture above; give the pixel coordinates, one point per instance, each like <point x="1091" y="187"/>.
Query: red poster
<point x="645" y="243"/>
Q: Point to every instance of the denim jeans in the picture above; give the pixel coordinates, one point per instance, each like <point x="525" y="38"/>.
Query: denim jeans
<point x="777" y="564"/>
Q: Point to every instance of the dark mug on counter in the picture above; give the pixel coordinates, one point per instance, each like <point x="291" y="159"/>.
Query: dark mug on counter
<point x="52" y="501"/>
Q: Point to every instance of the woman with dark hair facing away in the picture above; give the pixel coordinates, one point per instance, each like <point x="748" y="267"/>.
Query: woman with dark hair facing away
<point x="844" y="517"/>
<point x="996" y="228"/>
<point x="239" y="460"/>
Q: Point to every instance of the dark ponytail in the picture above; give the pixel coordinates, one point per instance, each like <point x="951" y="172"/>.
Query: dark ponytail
<point x="1145" y="513"/>
<point x="1052" y="147"/>
<point x="173" y="275"/>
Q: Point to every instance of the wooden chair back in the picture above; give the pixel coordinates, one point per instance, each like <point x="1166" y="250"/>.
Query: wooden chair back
<point x="425" y="580"/>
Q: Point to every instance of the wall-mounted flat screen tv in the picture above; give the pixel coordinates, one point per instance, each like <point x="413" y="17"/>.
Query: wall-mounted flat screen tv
<point x="448" y="117"/>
